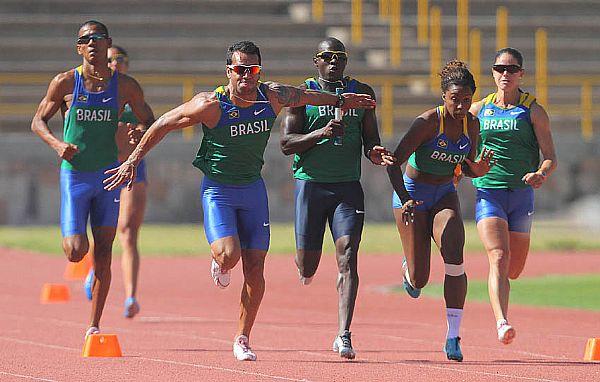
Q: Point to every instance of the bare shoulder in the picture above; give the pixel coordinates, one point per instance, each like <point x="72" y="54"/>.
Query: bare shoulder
<point x="127" y="82"/>
<point x="476" y="107"/>
<point x="429" y="117"/>
<point x="63" y="82"/>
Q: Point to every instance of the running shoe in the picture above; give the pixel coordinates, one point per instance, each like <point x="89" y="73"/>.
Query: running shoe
<point x="343" y="345"/>
<point x="506" y="333"/>
<point x="412" y="291"/>
<point x="242" y="350"/>
<point x="221" y="278"/>
<point x="88" y="284"/>
<point x="92" y="330"/>
<point x="452" y="349"/>
<point x="305" y="280"/>
<point x="131" y="307"/>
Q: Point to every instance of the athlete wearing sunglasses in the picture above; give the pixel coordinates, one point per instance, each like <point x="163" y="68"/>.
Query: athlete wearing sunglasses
<point x="516" y="128"/>
<point x="328" y="178"/>
<point x="236" y="121"/>
<point x="91" y="97"/>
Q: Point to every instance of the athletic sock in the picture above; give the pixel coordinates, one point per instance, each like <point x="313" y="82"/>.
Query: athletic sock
<point x="453" y="316"/>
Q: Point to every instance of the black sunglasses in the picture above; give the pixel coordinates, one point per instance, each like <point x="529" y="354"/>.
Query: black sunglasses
<point x="512" y="69"/>
<point x="84" y="40"/>
<point x="328" y="55"/>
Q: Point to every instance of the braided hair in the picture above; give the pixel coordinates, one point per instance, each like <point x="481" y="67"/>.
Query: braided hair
<point x="456" y="73"/>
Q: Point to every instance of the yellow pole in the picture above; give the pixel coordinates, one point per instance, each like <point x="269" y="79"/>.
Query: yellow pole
<point x="501" y="28"/>
<point x="587" y="131"/>
<point x="317" y="10"/>
<point x="435" y="48"/>
<point x="475" y="58"/>
<point x="541" y="67"/>
<point x="422" y="25"/>
<point x="395" y="33"/>
<point x="387" y="93"/>
<point x="384" y="9"/>
<point x="462" y="29"/>
<point x="356" y="21"/>
<point x="188" y="94"/>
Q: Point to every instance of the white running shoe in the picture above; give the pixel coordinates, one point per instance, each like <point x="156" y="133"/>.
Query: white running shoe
<point x="92" y="330"/>
<point x="343" y="345"/>
<point x="242" y="350"/>
<point x="304" y="280"/>
<point x="221" y="278"/>
<point x="506" y="333"/>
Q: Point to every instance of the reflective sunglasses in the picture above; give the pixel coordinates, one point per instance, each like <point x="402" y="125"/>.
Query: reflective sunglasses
<point x="328" y="55"/>
<point x="84" y="40"/>
<point x="119" y="59"/>
<point x="512" y="69"/>
<point x="243" y="69"/>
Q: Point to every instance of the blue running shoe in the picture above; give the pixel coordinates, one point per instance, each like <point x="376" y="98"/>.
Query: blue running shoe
<point x="452" y="349"/>
<point x="88" y="284"/>
<point x="131" y="307"/>
<point x="412" y="291"/>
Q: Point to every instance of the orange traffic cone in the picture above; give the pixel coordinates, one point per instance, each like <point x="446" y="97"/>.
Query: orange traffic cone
<point x="102" y="345"/>
<point x="79" y="270"/>
<point x="592" y="350"/>
<point x="54" y="293"/>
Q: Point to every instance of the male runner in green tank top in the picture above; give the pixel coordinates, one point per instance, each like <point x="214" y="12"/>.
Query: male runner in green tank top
<point x="236" y="121"/>
<point x="90" y="98"/>
<point x="327" y="171"/>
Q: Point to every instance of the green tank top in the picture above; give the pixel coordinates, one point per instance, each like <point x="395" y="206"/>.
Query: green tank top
<point x="128" y="116"/>
<point x="509" y="133"/>
<point x="91" y="124"/>
<point x="326" y="162"/>
<point x="232" y="152"/>
<point x="441" y="155"/>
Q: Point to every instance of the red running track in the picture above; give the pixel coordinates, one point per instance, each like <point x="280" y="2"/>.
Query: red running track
<point x="186" y="327"/>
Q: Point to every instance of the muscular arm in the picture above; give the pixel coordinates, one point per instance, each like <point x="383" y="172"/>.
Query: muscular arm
<point x="59" y="87"/>
<point x="370" y="131"/>
<point x="134" y="96"/>
<point x="541" y="127"/>
<point x="422" y="129"/>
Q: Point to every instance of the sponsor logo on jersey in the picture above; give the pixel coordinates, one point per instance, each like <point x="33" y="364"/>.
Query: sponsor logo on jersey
<point x="445" y="157"/>
<point x="94" y="115"/>
<point x="255" y="127"/>
<point x="442" y="143"/>
<point x="82" y="98"/>
<point x="488" y="112"/>
<point x="233" y="114"/>
<point x="329" y="111"/>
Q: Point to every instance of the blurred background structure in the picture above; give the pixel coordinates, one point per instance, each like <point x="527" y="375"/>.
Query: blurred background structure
<point x="177" y="48"/>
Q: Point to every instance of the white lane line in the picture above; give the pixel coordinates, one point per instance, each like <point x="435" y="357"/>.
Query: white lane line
<point x="27" y="377"/>
<point x="197" y="365"/>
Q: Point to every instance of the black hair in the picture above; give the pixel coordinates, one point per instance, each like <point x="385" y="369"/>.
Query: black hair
<point x="331" y="42"/>
<point x="513" y="52"/>
<point x="456" y="73"/>
<point x="247" y="47"/>
<point x="97" y="24"/>
<point x="120" y="50"/>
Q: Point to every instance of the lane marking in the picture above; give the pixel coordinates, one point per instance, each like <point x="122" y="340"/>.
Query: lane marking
<point x="27" y="377"/>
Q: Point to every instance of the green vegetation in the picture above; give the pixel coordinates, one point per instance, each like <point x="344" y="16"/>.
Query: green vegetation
<point x="188" y="239"/>
<point x="563" y="291"/>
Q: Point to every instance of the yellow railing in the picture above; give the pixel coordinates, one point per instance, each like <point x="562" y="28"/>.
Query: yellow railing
<point x="388" y="110"/>
<point x="356" y="26"/>
<point x="395" y="33"/>
<point x="462" y="29"/>
<point x="501" y="28"/>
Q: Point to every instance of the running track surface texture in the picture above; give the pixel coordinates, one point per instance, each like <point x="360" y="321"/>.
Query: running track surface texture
<point x="186" y="327"/>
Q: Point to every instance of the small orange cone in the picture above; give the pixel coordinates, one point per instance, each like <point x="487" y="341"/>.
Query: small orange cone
<point x="54" y="293"/>
<point x="102" y="345"/>
<point x="592" y="350"/>
<point x="79" y="270"/>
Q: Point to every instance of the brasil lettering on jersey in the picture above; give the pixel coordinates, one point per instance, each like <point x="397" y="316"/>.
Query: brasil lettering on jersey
<point x="255" y="127"/>
<point x="499" y="124"/>
<point x="93" y="115"/>
<point x="447" y="157"/>
<point x="329" y="111"/>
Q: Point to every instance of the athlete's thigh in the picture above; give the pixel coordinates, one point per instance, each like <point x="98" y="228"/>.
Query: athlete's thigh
<point x="105" y="206"/>
<point x="520" y="210"/>
<point x="493" y="232"/>
<point x="349" y="215"/>
<point x="448" y="229"/>
<point x="218" y="204"/>
<point x="253" y="217"/>
<point x="75" y="201"/>
<point x="133" y="206"/>
<point x="312" y="206"/>
<point x="519" y="249"/>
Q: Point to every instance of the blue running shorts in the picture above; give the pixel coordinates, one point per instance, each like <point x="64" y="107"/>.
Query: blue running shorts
<point x="430" y="194"/>
<point x="140" y="174"/>
<point x="342" y="204"/>
<point x="236" y="210"/>
<point x="516" y="206"/>
<point x="82" y="194"/>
